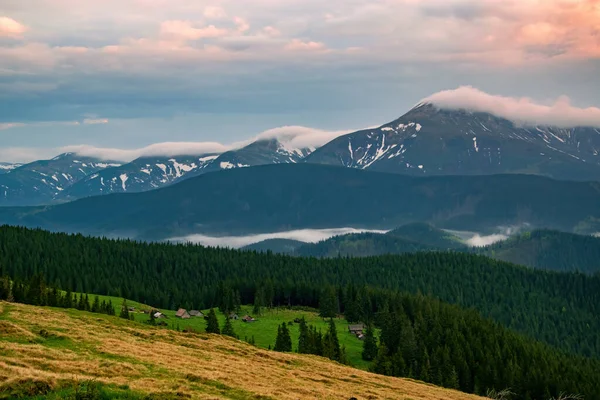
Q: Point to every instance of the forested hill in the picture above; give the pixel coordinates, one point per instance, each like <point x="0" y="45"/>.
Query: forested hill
<point x="284" y="197"/>
<point x="548" y="249"/>
<point x="558" y="308"/>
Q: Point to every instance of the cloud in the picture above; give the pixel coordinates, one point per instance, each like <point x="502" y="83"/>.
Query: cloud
<point x="290" y="136"/>
<point x="11" y="28"/>
<point x="519" y="110"/>
<point x="300" y="136"/>
<point x="298" y="44"/>
<point x="303" y="235"/>
<point x="166" y="149"/>
<point x="215" y="12"/>
<point x="95" y="121"/>
<point x="482" y="241"/>
<point x="186" y="31"/>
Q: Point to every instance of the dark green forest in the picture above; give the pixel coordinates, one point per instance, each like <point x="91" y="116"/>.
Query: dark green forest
<point x="558" y="308"/>
<point x="547" y="249"/>
<point x="420" y="338"/>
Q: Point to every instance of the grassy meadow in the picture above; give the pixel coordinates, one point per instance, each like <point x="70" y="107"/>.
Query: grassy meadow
<point x="264" y="330"/>
<point x="54" y="353"/>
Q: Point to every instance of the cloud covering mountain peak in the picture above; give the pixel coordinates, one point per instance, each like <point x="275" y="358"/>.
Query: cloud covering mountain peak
<point x="525" y="111"/>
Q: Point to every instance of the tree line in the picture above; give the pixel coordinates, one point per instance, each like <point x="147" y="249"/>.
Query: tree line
<point x="561" y="309"/>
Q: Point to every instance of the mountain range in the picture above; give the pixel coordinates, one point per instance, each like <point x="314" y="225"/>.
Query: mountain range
<point x="275" y="198"/>
<point x="426" y="141"/>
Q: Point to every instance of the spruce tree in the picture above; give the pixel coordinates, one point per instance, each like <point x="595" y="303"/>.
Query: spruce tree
<point x="331" y="344"/>
<point x="124" y="310"/>
<point x="68" y="300"/>
<point x="228" y="328"/>
<point x="96" y="305"/>
<point x="212" y="324"/>
<point x="328" y="303"/>
<point x="370" y="345"/>
<point x="4" y="288"/>
<point x="283" y="342"/>
<point x="86" y="303"/>
<point x="304" y="340"/>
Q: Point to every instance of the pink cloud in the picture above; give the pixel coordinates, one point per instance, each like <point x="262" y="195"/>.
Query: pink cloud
<point x="215" y="12"/>
<point x="11" y="28"/>
<point x="300" y="45"/>
<point x="241" y="24"/>
<point x="184" y="30"/>
<point x="559" y="113"/>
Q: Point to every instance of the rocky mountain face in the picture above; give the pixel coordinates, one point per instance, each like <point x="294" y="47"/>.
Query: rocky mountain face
<point x="142" y="174"/>
<point x="40" y="182"/>
<point x="149" y="173"/>
<point x="431" y="141"/>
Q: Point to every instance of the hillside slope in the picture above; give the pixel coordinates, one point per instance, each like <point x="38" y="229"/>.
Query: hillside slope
<point x="297" y="196"/>
<point x="50" y="347"/>
<point x="552" y="250"/>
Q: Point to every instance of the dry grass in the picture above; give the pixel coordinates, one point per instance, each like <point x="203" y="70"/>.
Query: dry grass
<point x="49" y="345"/>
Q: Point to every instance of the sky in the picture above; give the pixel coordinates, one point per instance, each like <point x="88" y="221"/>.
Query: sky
<point x="126" y="74"/>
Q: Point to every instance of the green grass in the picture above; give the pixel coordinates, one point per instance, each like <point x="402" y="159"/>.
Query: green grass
<point x="264" y="329"/>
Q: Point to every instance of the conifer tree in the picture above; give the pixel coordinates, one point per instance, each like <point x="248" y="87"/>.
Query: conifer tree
<point x="110" y="309"/>
<point x="86" y="303"/>
<point x="328" y="303"/>
<point x="228" y="328"/>
<point x="304" y="340"/>
<point x="124" y="310"/>
<point x="96" y="305"/>
<point x="5" y="289"/>
<point x="370" y="345"/>
<point x="331" y="344"/>
<point x="68" y="299"/>
<point x="283" y="342"/>
<point x="259" y="302"/>
<point x="212" y="325"/>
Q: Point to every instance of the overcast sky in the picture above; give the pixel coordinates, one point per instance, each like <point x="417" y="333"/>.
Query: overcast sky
<point x="129" y="73"/>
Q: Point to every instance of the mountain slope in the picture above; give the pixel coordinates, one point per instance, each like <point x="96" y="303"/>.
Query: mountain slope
<point x="428" y="235"/>
<point x="360" y="245"/>
<point x="5" y="167"/>
<point x="150" y="173"/>
<point x="115" y="352"/>
<point x="283" y="197"/>
<point x="140" y="175"/>
<point x="408" y="238"/>
<point x="281" y="246"/>
<point x="40" y="182"/>
<point x="546" y="249"/>
<point x="431" y="141"/>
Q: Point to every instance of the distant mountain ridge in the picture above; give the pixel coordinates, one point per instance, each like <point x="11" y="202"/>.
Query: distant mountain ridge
<point x="426" y="141"/>
<point x="432" y="141"/>
<point x="540" y="249"/>
<point x="42" y="181"/>
<point x="275" y="198"/>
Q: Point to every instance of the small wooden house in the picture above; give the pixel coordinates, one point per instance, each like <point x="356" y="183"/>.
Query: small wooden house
<point x="196" y="313"/>
<point x="159" y="315"/>
<point x="247" y="318"/>
<point x="182" y="313"/>
<point x="234" y="316"/>
<point x="356" y="329"/>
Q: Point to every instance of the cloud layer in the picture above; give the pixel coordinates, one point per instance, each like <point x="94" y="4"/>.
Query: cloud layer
<point x="296" y="137"/>
<point x="303" y="235"/>
<point x="525" y="111"/>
